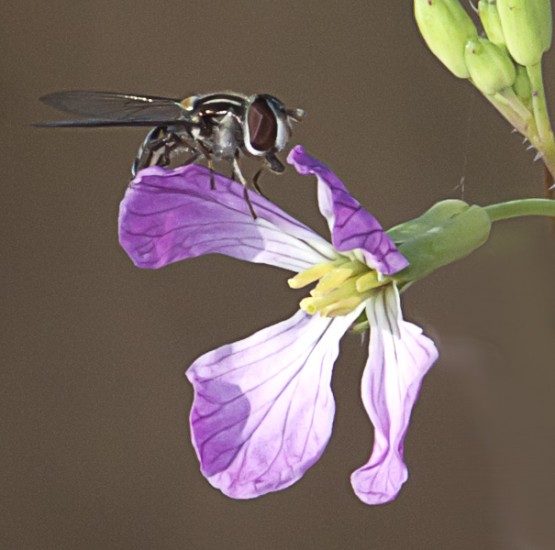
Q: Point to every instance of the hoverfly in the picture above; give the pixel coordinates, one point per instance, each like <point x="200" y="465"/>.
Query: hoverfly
<point x="214" y="126"/>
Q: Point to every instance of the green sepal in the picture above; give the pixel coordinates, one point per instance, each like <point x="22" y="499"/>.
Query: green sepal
<point x="490" y="66"/>
<point x="361" y="324"/>
<point x="527" y="27"/>
<point x="447" y="232"/>
<point x="489" y="16"/>
<point x="446" y="28"/>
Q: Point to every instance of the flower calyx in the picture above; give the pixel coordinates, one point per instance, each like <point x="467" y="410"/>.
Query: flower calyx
<point x="448" y="231"/>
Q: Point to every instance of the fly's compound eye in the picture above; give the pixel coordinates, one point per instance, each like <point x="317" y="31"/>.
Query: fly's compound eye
<point x="261" y="126"/>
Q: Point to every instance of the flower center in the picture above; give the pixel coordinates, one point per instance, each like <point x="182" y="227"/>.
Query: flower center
<point x="343" y="285"/>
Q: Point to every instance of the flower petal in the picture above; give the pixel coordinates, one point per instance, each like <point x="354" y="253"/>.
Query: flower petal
<point x="263" y="408"/>
<point x="171" y="215"/>
<point x="351" y="226"/>
<point x="399" y="357"/>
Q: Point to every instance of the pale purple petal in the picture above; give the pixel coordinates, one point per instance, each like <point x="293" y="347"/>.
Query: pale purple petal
<point x="171" y="215"/>
<point x="351" y="226"/>
<point x="263" y="408"/>
<point x="399" y="357"/>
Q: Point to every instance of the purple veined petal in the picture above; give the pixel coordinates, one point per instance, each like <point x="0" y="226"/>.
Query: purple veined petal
<point x="351" y="226"/>
<point x="263" y="407"/>
<point x="171" y="215"/>
<point x="399" y="357"/>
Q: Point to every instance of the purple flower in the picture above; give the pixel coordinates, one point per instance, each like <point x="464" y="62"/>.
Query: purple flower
<point x="263" y="408"/>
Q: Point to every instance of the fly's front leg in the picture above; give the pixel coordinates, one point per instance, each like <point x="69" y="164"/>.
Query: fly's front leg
<point x="237" y="172"/>
<point x="255" y="184"/>
<point x="273" y="164"/>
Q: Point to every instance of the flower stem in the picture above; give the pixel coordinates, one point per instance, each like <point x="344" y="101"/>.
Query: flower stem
<point x="522" y="120"/>
<point x="547" y="142"/>
<point x="539" y="104"/>
<point x="521" y="207"/>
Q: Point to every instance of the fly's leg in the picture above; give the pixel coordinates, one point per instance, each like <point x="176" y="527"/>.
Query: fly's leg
<point x="273" y="164"/>
<point x="194" y="156"/>
<point x="150" y="149"/>
<point x="255" y="184"/>
<point x="237" y="172"/>
<point x="157" y="151"/>
<point x="208" y="157"/>
<point x="176" y="143"/>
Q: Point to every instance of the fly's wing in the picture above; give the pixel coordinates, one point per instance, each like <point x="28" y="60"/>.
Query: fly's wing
<point x="114" y="109"/>
<point x="105" y="122"/>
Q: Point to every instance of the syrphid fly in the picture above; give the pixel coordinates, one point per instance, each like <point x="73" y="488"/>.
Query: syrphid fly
<point x="215" y="126"/>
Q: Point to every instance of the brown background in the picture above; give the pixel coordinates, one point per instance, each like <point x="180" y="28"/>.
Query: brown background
<point x="96" y="450"/>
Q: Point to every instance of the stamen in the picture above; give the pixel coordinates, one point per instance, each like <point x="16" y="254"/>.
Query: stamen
<point x="308" y="305"/>
<point x="343" y="306"/>
<point x="336" y="277"/>
<point x="343" y="285"/>
<point x="368" y="281"/>
<point x="318" y="303"/>
<point x="314" y="273"/>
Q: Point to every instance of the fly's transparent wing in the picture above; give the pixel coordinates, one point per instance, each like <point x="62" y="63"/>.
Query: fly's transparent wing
<point x="101" y="123"/>
<point x="114" y="109"/>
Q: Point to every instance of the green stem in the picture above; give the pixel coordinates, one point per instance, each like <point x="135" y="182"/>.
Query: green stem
<point x="508" y="96"/>
<point x="521" y="119"/>
<point x="539" y="105"/>
<point x="521" y="207"/>
<point x="547" y="142"/>
<point x="516" y="120"/>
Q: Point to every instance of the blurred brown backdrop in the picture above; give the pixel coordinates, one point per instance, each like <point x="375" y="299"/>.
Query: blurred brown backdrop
<point x="96" y="450"/>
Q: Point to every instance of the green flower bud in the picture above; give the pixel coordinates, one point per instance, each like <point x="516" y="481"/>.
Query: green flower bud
<point x="527" y="28"/>
<point x="491" y="22"/>
<point x="490" y="66"/>
<point x="546" y="18"/>
<point x="448" y="231"/>
<point x="522" y="85"/>
<point x="446" y="28"/>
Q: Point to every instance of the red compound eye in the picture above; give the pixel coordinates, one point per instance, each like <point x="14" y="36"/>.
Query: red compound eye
<point x="262" y="125"/>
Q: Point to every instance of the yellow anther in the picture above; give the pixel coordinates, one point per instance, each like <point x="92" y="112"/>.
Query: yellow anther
<point x="313" y="273"/>
<point x="318" y="303"/>
<point x="342" y="307"/>
<point x="368" y="281"/>
<point x="343" y="285"/>
<point x="308" y="305"/>
<point x="335" y="278"/>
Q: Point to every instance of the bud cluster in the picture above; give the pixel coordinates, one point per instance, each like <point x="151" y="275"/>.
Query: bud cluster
<point x="517" y="33"/>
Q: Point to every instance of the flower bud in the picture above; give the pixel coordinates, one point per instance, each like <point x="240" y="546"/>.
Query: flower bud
<point x="522" y="85"/>
<point x="527" y="28"/>
<point x="490" y="66"/>
<point x="489" y="16"/>
<point x="446" y="28"/>
<point x="448" y="231"/>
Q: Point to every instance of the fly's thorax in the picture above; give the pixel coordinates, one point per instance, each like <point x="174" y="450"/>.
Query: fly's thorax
<point x="226" y="138"/>
<point x="343" y="284"/>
